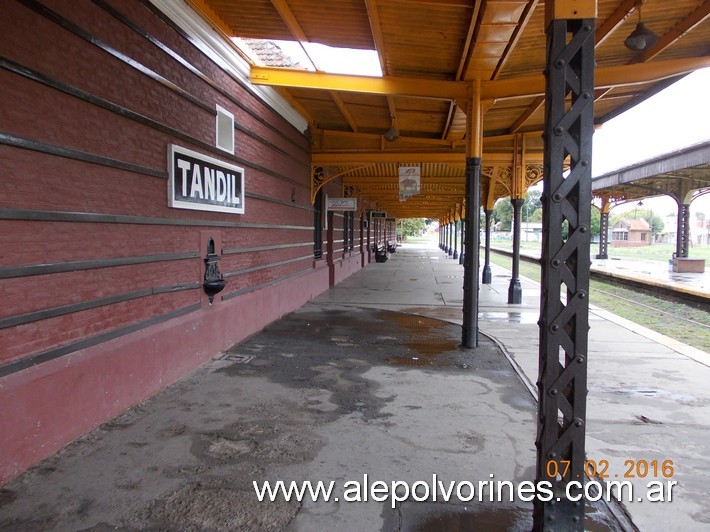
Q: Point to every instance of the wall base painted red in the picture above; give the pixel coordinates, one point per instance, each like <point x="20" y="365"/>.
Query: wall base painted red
<point x="47" y="406"/>
<point x="344" y="268"/>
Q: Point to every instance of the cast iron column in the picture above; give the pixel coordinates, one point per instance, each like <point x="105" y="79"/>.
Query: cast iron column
<point x="456" y="243"/>
<point x="564" y="326"/>
<point x="515" y="291"/>
<point x="462" y="255"/>
<point x="682" y="241"/>
<point x="486" y="277"/>
<point x="603" y="235"/>
<point x="469" y="330"/>
<point x="452" y="242"/>
<point x="449" y="248"/>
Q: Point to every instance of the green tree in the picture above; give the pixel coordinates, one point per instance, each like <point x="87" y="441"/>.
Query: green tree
<point x="503" y="214"/>
<point x="412" y="226"/>
<point x="532" y="203"/>
<point x="596" y="221"/>
<point x="503" y="210"/>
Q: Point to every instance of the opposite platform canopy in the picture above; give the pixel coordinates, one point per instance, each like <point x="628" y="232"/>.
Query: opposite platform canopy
<point x="429" y="52"/>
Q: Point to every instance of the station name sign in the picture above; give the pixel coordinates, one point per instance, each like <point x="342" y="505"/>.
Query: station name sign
<point x="203" y="183"/>
<point x="341" y="204"/>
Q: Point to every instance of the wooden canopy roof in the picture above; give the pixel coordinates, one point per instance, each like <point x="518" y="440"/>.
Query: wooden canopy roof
<point x="429" y="51"/>
<point x="683" y="174"/>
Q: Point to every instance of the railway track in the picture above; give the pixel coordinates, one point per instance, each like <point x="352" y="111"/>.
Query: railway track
<point x="682" y="315"/>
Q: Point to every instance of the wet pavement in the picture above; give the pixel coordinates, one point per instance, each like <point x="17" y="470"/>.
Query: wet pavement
<point x="326" y="393"/>
<point x="368" y="381"/>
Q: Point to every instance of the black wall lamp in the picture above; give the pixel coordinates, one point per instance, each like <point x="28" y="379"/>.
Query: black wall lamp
<point x="214" y="282"/>
<point x="642" y="37"/>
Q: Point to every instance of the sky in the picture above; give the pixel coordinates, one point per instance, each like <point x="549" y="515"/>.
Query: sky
<point x="676" y="117"/>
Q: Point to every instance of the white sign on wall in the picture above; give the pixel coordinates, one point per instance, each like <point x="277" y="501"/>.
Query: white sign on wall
<point x="341" y="204"/>
<point x="203" y="183"/>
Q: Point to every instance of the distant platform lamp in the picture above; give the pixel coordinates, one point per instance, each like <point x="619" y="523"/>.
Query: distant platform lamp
<point x="642" y="37"/>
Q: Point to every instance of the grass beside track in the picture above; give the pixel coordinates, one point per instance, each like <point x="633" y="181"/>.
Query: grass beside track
<point x="685" y="323"/>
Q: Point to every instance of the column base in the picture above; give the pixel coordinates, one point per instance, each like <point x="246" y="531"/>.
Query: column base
<point x="486" y="277"/>
<point x="600" y="256"/>
<point x="469" y="338"/>
<point x="461" y="257"/>
<point x="455" y="255"/>
<point x="515" y="292"/>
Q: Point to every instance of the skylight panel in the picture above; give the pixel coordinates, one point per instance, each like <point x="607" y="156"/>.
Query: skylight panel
<point x="290" y="54"/>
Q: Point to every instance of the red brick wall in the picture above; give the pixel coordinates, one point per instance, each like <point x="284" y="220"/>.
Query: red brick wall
<point x="98" y="276"/>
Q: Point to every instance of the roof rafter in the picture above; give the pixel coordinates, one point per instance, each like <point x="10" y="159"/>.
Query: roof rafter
<point x="522" y="24"/>
<point x="297" y="31"/>
<point x="465" y="57"/>
<point x="608" y="27"/>
<point x="676" y="32"/>
<point x="373" y="16"/>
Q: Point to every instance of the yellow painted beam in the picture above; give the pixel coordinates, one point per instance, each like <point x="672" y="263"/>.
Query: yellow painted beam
<point x="437" y="143"/>
<point x="396" y="86"/>
<point x="426" y="181"/>
<point x="569" y="9"/>
<point x="347" y="158"/>
<point x="604" y="77"/>
<point x="474" y="123"/>
<point x="523" y="86"/>
<point x="452" y="159"/>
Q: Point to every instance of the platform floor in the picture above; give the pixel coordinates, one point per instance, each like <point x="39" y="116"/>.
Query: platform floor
<point x="368" y="379"/>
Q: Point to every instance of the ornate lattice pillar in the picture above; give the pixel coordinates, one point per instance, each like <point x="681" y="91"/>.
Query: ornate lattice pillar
<point x="682" y="242"/>
<point x="462" y="255"/>
<point x="604" y="230"/>
<point x="564" y="308"/>
<point x="486" y="276"/>
<point x="450" y="251"/>
<point x="455" y="254"/>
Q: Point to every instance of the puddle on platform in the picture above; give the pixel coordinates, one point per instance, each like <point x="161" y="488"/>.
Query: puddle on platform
<point x="514" y="317"/>
<point x="416" y="362"/>
<point x="433" y="346"/>
<point x="512" y="520"/>
<point x="428" y="353"/>
<point x="659" y="394"/>
<point x="428" y="338"/>
<point x="413" y="323"/>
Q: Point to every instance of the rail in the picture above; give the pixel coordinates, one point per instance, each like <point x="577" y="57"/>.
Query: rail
<point x="680" y="293"/>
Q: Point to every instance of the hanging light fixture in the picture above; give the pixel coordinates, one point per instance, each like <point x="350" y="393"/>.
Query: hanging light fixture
<point x="642" y="37"/>
<point x="391" y="134"/>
